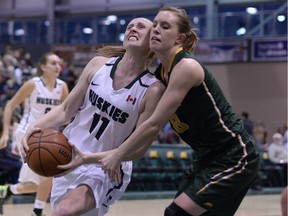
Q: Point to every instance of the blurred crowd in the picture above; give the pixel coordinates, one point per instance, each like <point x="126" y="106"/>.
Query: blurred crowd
<point x="16" y="66"/>
<point x="273" y="154"/>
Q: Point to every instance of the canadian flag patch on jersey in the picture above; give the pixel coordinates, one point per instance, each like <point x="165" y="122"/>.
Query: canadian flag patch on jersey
<point x="131" y="99"/>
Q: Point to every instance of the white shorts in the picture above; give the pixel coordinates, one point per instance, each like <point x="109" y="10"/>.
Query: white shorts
<point x="26" y="174"/>
<point x="105" y="192"/>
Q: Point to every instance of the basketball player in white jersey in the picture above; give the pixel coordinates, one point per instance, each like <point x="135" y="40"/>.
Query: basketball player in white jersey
<point x="112" y="97"/>
<point x="39" y="94"/>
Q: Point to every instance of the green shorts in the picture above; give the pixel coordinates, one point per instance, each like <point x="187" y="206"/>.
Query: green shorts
<point x="220" y="183"/>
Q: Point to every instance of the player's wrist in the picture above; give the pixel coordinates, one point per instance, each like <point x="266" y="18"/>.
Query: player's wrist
<point x="118" y="156"/>
<point x="86" y="158"/>
<point x="90" y="158"/>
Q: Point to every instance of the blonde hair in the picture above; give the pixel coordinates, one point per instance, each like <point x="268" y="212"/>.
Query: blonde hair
<point x="111" y="51"/>
<point x="185" y="27"/>
<point x="119" y="51"/>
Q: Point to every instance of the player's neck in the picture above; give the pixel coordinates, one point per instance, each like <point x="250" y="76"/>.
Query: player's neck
<point x="48" y="82"/>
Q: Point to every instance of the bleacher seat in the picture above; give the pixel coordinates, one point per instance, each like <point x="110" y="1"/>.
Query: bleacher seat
<point x="171" y="171"/>
<point x="274" y="172"/>
<point x="161" y="168"/>
<point x="138" y="175"/>
<point x="155" y="167"/>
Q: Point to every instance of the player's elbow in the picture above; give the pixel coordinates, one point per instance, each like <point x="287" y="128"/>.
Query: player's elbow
<point x="67" y="111"/>
<point x="154" y="128"/>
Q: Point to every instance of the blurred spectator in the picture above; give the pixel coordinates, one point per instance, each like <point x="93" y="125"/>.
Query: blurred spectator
<point x="260" y="135"/>
<point x="68" y="75"/>
<point x="248" y="124"/>
<point x="9" y="59"/>
<point x="285" y="140"/>
<point x="277" y="154"/>
<point x="10" y="88"/>
<point x="276" y="151"/>
<point x="28" y="60"/>
<point x="284" y="131"/>
<point x="22" y="72"/>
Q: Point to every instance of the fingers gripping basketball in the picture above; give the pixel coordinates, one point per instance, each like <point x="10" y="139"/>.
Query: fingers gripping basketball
<point x="48" y="149"/>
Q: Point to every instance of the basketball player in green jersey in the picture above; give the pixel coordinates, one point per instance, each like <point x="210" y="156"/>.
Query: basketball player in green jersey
<point x="226" y="161"/>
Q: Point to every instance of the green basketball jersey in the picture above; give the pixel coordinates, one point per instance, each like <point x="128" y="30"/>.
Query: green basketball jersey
<point x="205" y="120"/>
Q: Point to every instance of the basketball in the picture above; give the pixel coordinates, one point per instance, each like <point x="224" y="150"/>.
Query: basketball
<point x="48" y="148"/>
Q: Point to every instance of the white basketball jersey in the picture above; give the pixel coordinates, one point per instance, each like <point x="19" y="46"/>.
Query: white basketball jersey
<point x="107" y="116"/>
<point x="40" y="101"/>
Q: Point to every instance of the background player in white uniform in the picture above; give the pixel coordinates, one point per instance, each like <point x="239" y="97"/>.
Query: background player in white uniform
<point x="39" y="94"/>
<point x="111" y="98"/>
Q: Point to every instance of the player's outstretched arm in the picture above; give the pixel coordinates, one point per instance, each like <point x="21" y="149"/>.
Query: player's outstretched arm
<point x="111" y="161"/>
<point x="80" y="158"/>
<point x="179" y="84"/>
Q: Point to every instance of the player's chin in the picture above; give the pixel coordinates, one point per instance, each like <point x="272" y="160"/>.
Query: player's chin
<point x="154" y="46"/>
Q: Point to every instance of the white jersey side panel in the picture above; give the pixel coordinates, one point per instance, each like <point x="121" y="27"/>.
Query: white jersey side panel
<point x="107" y="116"/>
<point x="40" y="102"/>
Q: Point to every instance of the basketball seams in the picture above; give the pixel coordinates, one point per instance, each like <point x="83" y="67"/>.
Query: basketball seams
<point x="51" y="154"/>
<point x="38" y="147"/>
<point x="41" y="164"/>
<point x="51" y="143"/>
<point x="29" y="155"/>
<point x="44" y="156"/>
<point x="34" y="135"/>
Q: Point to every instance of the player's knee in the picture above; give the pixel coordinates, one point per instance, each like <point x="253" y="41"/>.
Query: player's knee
<point x="175" y="210"/>
<point x="62" y="210"/>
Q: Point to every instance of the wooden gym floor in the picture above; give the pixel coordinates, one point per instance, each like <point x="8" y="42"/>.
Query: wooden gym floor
<point x="252" y="205"/>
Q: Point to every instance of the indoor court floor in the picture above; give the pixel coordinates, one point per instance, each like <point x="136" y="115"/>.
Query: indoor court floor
<point x="252" y="205"/>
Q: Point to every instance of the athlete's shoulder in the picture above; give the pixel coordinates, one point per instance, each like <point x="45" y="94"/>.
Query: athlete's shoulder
<point x="60" y="81"/>
<point x="189" y="71"/>
<point x="157" y="87"/>
<point x="28" y="86"/>
<point x="32" y="81"/>
<point x="96" y="63"/>
<point x="93" y="66"/>
<point x="99" y="60"/>
<point x="35" y="79"/>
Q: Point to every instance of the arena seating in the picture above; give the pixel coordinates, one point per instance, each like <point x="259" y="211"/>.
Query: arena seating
<point x="274" y="173"/>
<point x="161" y="168"/>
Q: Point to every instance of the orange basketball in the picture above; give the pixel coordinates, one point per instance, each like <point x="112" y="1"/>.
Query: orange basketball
<point x="48" y="149"/>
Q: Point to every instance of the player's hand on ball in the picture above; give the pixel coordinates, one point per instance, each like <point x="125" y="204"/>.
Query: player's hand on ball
<point x="78" y="158"/>
<point x="48" y="148"/>
<point x="24" y="145"/>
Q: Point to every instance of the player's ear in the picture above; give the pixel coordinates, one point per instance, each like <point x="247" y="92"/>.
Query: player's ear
<point x="181" y="38"/>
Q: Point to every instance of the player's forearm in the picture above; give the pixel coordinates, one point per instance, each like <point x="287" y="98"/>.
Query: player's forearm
<point x="95" y="157"/>
<point x="138" y="143"/>
<point x="8" y="112"/>
<point x="138" y="153"/>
